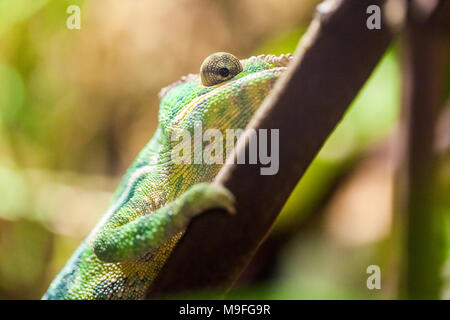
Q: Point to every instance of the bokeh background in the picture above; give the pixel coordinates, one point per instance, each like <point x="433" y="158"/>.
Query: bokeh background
<point x="76" y="106"/>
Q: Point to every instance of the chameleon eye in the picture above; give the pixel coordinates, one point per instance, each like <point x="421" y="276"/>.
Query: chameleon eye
<point x="219" y="67"/>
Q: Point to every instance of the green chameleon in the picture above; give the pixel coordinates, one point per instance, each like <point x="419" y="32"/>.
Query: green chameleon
<point x="157" y="196"/>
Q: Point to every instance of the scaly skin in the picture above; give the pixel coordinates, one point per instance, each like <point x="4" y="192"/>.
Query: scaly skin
<point x="156" y="197"/>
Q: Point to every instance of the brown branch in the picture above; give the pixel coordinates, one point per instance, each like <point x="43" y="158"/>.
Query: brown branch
<point x="332" y="62"/>
<point x="419" y="222"/>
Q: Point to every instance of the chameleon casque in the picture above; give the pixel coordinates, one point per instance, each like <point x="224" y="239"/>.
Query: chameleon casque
<point x="156" y="197"/>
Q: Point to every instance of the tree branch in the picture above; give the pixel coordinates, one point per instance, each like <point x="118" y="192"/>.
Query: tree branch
<point x="420" y="225"/>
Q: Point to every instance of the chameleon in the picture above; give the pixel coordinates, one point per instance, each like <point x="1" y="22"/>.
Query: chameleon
<point x="157" y="196"/>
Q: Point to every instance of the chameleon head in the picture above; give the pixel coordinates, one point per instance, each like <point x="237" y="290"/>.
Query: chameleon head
<point x="224" y="95"/>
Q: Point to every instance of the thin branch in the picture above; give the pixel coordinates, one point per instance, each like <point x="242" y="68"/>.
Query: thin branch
<point x="333" y="61"/>
<point x="419" y="223"/>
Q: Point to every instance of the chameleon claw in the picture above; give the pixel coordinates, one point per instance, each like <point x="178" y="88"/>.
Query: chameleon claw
<point x="208" y="196"/>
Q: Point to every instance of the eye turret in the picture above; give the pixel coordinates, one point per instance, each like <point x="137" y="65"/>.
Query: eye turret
<point x="219" y="67"/>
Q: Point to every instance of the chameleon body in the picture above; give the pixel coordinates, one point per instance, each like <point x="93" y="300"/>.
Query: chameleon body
<point x="157" y="197"/>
